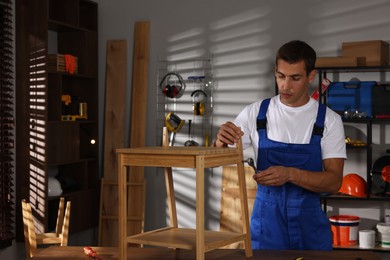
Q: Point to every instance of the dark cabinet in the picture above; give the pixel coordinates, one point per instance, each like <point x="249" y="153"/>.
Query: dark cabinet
<point x="56" y="110"/>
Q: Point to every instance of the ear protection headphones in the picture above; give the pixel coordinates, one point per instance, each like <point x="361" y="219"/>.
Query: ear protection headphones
<point x="199" y="97"/>
<point x="170" y="90"/>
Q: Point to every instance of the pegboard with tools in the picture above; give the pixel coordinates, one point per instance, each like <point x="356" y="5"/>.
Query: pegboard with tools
<point x="185" y="101"/>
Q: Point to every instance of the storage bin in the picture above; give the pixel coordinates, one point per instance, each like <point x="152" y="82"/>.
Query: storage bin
<point x="380" y="101"/>
<point x="355" y="95"/>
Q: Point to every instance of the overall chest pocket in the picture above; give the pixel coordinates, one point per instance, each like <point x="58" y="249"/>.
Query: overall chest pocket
<point x="288" y="158"/>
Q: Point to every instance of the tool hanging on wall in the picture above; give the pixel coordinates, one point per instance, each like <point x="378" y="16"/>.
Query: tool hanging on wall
<point x="173" y="123"/>
<point x="170" y="90"/>
<point x="199" y="98"/>
<point x="190" y="141"/>
<point x="207" y="80"/>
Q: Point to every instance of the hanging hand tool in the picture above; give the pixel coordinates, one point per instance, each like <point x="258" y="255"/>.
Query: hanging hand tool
<point x="174" y="124"/>
<point x="190" y="141"/>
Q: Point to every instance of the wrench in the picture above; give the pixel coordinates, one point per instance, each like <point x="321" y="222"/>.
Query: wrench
<point x="251" y="163"/>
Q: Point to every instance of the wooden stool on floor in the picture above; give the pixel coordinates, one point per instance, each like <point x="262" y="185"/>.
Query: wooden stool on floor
<point x="33" y="240"/>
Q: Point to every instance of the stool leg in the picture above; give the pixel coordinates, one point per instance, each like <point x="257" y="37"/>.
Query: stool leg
<point x="244" y="209"/>
<point x="122" y="214"/>
<point x="244" y="201"/>
<point x="171" y="196"/>
<point x="200" y="247"/>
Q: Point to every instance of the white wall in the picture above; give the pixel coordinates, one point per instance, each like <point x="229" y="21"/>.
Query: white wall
<point x="242" y="37"/>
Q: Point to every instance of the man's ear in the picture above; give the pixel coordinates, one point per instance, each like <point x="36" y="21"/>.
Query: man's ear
<point x="312" y="75"/>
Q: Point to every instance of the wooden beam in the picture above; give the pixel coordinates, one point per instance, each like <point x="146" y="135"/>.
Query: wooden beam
<point x="114" y="135"/>
<point x="139" y="92"/>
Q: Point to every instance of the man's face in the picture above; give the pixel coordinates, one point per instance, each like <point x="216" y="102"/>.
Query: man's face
<point x="293" y="82"/>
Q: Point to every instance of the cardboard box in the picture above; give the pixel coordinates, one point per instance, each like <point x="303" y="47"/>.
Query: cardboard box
<point x="332" y="62"/>
<point x="376" y="52"/>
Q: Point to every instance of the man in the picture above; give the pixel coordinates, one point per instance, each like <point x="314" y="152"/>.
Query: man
<point x="300" y="150"/>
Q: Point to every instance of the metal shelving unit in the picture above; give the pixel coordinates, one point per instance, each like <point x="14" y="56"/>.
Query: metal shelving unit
<point x="368" y="123"/>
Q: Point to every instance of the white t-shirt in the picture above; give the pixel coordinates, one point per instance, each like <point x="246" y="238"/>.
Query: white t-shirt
<point x="293" y="125"/>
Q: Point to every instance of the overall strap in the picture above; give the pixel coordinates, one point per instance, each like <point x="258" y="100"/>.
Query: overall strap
<point x="261" y="122"/>
<point x="318" y="128"/>
<point x="261" y="125"/>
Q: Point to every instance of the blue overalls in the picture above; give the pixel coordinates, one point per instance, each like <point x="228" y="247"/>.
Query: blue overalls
<point x="289" y="217"/>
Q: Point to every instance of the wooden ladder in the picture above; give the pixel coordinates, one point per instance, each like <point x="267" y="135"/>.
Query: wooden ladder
<point x="109" y="211"/>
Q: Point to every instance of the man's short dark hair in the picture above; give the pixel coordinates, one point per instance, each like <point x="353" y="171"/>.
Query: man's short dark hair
<point x="296" y="51"/>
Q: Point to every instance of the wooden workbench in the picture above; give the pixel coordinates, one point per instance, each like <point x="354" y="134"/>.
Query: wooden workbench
<point x="77" y="253"/>
<point x="198" y="240"/>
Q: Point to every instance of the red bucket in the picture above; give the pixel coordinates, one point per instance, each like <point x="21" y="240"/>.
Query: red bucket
<point x="344" y="229"/>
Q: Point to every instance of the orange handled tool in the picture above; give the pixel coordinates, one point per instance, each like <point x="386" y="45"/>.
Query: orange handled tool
<point x="90" y="252"/>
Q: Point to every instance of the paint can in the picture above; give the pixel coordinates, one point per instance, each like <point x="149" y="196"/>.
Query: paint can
<point x="344" y="229"/>
<point x="366" y="238"/>
<point x="383" y="234"/>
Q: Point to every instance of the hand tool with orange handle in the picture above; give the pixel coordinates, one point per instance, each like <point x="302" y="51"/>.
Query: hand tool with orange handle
<point x="90" y="252"/>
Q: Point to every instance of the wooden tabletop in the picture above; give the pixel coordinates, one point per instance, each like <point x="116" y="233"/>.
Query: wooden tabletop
<point x="177" y="156"/>
<point x="76" y="253"/>
<point x="177" y="150"/>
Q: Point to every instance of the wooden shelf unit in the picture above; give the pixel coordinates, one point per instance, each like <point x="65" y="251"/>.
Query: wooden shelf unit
<point x="46" y="145"/>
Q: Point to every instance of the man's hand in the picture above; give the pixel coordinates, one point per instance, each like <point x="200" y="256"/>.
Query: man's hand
<point x="273" y="176"/>
<point x="228" y="133"/>
<point x="329" y="180"/>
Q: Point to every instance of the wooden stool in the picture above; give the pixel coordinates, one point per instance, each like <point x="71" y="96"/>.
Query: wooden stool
<point x="199" y="158"/>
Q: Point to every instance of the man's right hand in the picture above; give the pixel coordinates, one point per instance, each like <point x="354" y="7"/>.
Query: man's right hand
<point x="228" y="134"/>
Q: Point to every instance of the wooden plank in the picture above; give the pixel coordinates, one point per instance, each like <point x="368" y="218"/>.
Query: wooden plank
<point x="139" y="84"/>
<point x="230" y="200"/>
<point x="114" y="135"/>
<point x="114" y="129"/>
<point x="138" y="117"/>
